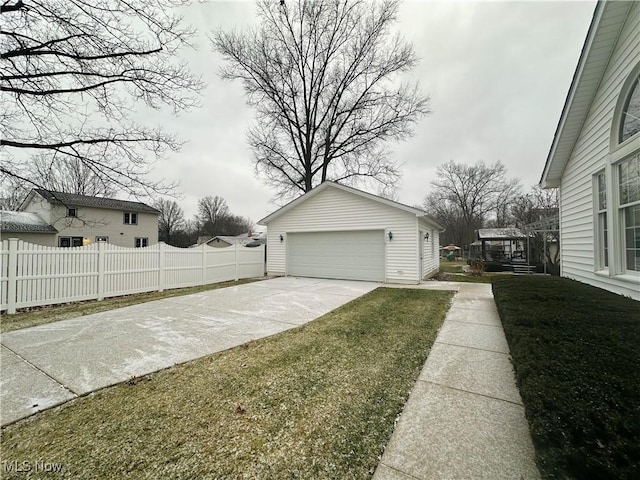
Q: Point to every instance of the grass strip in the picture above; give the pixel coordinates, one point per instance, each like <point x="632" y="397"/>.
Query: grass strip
<point x="576" y="353"/>
<point x="53" y="313"/>
<point x="318" y="401"/>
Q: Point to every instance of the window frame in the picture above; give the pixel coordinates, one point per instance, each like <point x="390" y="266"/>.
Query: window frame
<point x="621" y="209"/>
<point x="141" y="242"/>
<point x="70" y="210"/>
<point x="102" y="239"/>
<point x="601" y="230"/>
<point x="71" y="239"/>
<point x="132" y="218"/>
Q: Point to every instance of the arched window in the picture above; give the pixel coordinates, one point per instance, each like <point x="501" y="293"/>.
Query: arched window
<point x="616" y="189"/>
<point x="630" y="120"/>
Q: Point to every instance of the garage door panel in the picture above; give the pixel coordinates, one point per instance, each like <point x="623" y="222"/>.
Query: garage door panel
<point x="352" y="255"/>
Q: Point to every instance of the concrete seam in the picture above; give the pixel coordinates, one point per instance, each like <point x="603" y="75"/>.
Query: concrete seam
<point x="399" y="471"/>
<point x="467" y="346"/>
<point x="40" y="370"/>
<point x="474" y="323"/>
<point x="472" y="393"/>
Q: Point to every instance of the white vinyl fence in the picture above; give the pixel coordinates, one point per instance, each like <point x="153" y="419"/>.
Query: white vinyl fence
<point x="33" y="275"/>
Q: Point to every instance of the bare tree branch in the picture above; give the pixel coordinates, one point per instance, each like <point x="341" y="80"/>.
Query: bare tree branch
<point x="72" y="72"/>
<point x="324" y="79"/>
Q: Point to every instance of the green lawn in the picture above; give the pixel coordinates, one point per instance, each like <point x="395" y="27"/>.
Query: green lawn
<point x="54" y="313"/>
<point x="451" y="267"/>
<point x="576" y="353"/>
<point x="452" y="272"/>
<point x="318" y="401"/>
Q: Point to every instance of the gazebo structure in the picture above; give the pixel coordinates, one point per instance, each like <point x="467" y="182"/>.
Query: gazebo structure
<point x="500" y="244"/>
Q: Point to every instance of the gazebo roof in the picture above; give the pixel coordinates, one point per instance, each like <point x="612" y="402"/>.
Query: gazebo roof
<point x="500" y="234"/>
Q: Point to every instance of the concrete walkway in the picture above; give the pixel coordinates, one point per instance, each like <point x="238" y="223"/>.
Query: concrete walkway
<point x="464" y="418"/>
<point x="44" y="366"/>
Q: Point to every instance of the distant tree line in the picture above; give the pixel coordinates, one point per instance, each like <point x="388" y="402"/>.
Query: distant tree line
<point x="213" y="218"/>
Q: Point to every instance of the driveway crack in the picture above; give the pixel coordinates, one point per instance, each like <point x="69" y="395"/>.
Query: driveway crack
<point x="35" y="367"/>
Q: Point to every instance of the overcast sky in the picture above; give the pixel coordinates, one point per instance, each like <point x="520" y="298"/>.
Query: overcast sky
<point x="497" y="74"/>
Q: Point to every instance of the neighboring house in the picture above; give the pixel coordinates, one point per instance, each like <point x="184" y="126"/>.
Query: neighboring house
<point x="81" y="220"/>
<point x="27" y="227"/>
<point x="222" y="241"/>
<point x="335" y="231"/>
<point x="595" y="156"/>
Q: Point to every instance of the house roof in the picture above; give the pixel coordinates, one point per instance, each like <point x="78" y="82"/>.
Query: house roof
<point x="237" y="240"/>
<point x="500" y="234"/>
<point x="607" y="23"/>
<point x="74" y="200"/>
<point x="23" y="222"/>
<point x="327" y="184"/>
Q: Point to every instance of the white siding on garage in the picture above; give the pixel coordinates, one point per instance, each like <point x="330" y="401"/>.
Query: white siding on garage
<point x="334" y="209"/>
<point x="352" y="255"/>
<point x="431" y="252"/>
<point x="589" y="156"/>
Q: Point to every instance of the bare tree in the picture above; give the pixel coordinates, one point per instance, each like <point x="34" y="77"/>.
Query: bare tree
<point x="211" y="212"/>
<point x="12" y="192"/>
<point x="73" y="71"/>
<point x="465" y="196"/>
<point x="323" y="77"/>
<point x="537" y="214"/>
<point x="69" y="175"/>
<point x="170" y="221"/>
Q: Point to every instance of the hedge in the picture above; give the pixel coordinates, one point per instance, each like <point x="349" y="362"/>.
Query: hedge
<point x="576" y="354"/>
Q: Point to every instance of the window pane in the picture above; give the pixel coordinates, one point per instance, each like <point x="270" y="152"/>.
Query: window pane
<point x="630" y="180"/>
<point x="602" y="192"/>
<point x="630" y="124"/>
<point x="632" y="237"/>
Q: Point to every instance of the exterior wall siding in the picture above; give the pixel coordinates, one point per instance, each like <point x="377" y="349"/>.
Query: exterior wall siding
<point x="337" y="210"/>
<point x="45" y="239"/>
<point x="589" y="156"/>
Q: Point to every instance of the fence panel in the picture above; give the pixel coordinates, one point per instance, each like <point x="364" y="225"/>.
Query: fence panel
<point x="49" y="275"/>
<point x="34" y="275"/>
<point x="4" y="273"/>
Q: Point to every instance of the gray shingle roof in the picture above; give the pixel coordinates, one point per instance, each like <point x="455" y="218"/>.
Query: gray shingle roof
<point x="23" y="222"/>
<point x="73" y="200"/>
<point x="500" y="234"/>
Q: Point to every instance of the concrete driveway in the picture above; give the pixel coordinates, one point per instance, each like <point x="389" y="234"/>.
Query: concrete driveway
<point x="53" y="363"/>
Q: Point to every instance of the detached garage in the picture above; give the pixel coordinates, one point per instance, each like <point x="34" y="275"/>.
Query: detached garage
<point x="335" y="231"/>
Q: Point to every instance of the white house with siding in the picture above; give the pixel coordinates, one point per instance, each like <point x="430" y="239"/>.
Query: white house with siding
<point x="81" y="219"/>
<point x="595" y="156"/>
<point x="334" y="231"/>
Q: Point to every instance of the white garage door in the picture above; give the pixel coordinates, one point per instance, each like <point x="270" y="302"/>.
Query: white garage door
<point x="353" y="255"/>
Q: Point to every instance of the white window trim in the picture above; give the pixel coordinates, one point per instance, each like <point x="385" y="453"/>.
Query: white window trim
<point x="124" y="214"/>
<point x="142" y="239"/>
<point x="599" y="263"/>
<point x="618" y="153"/>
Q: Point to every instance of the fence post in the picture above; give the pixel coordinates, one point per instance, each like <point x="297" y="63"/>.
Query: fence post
<point x="204" y="263"/>
<point x="12" y="274"/>
<point x="161" y="260"/>
<point x="237" y="257"/>
<point x="101" y="255"/>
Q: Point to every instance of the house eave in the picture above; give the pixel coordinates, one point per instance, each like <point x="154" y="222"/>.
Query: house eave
<point x="605" y="28"/>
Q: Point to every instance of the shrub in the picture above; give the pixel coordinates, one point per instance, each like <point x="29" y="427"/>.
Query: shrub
<point x="477" y="267"/>
<point x="493" y="267"/>
<point x="575" y="350"/>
